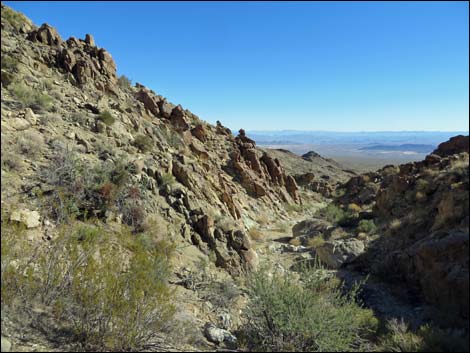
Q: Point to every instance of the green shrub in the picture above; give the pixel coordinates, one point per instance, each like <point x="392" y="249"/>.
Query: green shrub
<point x="287" y="315"/>
<point x="143" y="142"/>
<point x="111" y="289"/>
<point x="366" y="226"/>
<point x="334" y="214"/>
<point x="426" y="339"/>
<point x="124" y="82"/>
<point x="30" y="97"/>
<point x="107" y="118"/>
<point x="81" y="190"/>
<point x="9" y="63"/>
<point x="167" y="179"/>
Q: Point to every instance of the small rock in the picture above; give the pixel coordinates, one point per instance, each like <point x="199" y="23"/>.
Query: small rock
<point x="27" y="217"/>
<point x="6" y="345"/>
<point x="218" y="335"/>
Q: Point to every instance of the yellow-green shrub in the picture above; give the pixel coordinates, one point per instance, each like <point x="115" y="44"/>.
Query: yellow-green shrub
<point x="308" y="316"/>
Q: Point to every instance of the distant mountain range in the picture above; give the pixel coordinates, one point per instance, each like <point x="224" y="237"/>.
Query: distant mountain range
<point x="292" y="137"/>
<point x="418" y="148"/>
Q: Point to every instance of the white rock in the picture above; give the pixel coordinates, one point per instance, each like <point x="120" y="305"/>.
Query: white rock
<point x="27" y="217"/>
<point x="6" y="345"/>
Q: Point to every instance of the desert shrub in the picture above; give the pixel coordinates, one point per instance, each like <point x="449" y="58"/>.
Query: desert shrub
<point x="107" y="118"/>
<point x="366" y="226"/>
<point x="111" y="289"/>
<point x="333" y="213"/>
<point x="11" y="161"/>
<point x="30" y="143"/>
<point x="167" y="179"/>
<point x="399" y="338"/>
<point x="30" y="97"/>
<point x="316" y="241"/>
<point x="143" y="142"/>
<point x="355" y="208"/>
<point x="9" y="63"/>
<point x="81" y="190"/>
<point x="255" y="233"/>
<point x="124" y="82"/>
<point x="288" y="315"/>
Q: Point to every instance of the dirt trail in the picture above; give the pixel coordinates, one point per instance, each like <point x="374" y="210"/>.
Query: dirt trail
<point x="388" y="301"/>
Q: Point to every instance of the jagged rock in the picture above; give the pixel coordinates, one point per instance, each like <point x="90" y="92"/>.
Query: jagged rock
<point x="45" y="34"/>
<point x="456" y="144"/>
<point x="31" y="219"/>
<point x="90" y="40"/>
<point x="200" y="133"/>
<point x="178" y="119"/>
<point x="291" y="187"/>
<point x="220" y="129"/>
<point x="338" y="252"/>
<point x="199" y="150"/>
<point x="166" y="109"/>
<point x="150" y="101"/>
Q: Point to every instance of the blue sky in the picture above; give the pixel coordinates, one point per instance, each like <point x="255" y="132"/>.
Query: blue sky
<point x="338" y="66"/>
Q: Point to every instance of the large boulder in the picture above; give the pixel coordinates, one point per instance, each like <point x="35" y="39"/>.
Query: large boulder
<point x="311" y="227"/>
<point x="336" y="253"/>
<point x="31" y="219"/>
<point x="45" y="34"/>
<point x="456" y="144"/>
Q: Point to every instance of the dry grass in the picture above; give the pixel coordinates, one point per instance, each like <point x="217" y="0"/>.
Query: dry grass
<point x="295" y="242"/>
<point x="255" y="233"/>
<point x="316" y="242"/>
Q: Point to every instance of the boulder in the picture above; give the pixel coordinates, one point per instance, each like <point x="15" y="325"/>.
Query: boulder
<point x="200" y="133"/>
<point x="150" y="101"/>
<point x="45" y="34"/>
<point x="218" y="335"/>
<point x="311" y="227"/>
<point x="166" y="109"/>
<point x="336" y="253"/>
<point x="6" y="345"/>
<point x="456" y="144"/>
<point x="90" y="40"/>
<point x="31" y="219"/>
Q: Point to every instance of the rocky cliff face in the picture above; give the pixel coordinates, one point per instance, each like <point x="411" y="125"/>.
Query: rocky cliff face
<point x="213" y="169"/>
<point x="422" y="211"/>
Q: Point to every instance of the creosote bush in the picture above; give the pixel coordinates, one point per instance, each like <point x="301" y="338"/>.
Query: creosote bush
<point x="143" y="142"/>
<point x="366" y="226"/>
<point x="108" y="287"/>
<point x="82" y="190"/>
<point x="30" y="97"/>
<point x="107" y="118"/>
<point x="311" y="315"/>
<point x="124" y="82"/>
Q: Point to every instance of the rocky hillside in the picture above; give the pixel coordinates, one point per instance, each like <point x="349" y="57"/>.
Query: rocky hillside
<point x="312" y="171"/>
<point x="64" y="94"/>
<point x="407" y="224"/>
<point x="80" y="144"/>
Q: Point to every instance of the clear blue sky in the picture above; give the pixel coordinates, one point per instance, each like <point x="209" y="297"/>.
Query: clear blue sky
<point x="339" y="66"/>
